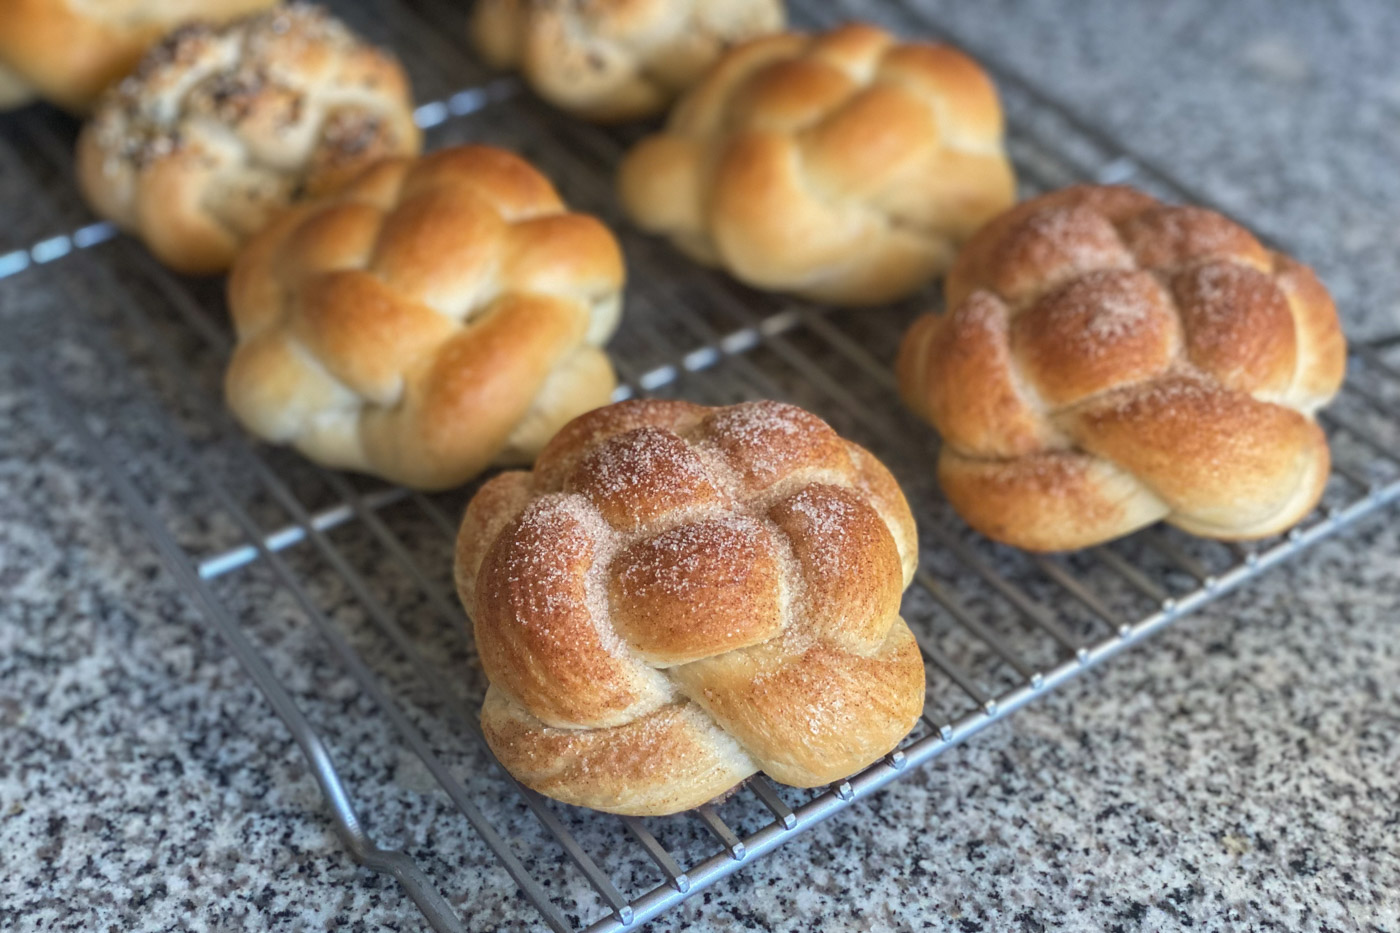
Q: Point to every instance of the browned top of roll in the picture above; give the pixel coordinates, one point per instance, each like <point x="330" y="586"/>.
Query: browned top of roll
<point x="678" y="596"/>
<point x="1108" y="360"/>
<point x="436" y="316"/>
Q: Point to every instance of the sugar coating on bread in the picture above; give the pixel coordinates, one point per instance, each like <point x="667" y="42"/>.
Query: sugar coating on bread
<point x="220" y="127"/>
<point x="435" y="316"/>
<point x="845" y="167"/>
<point x="677" y="597"/>
<point x="69" y="51"/>
<point x="1108" y="361"/>
<point x="612" y="60"/>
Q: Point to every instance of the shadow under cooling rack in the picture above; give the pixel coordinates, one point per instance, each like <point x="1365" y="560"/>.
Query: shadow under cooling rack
<point x="335" y="592"/>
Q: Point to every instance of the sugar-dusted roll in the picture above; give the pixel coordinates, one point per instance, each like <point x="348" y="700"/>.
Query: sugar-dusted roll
<point x="1107" y="361"/>
<point x="436" y="316"/>
<point x="846" y="167"/>
<point x="677" y="597"/>
<point x="221" y="127"/>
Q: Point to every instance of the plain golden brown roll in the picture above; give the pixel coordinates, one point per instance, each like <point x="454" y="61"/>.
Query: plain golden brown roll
<point x="845" y="167"/>
<point x="220" y="127"/>
<point x="613" y="60"/>
<point x="677" y="597"/>
<point x="434" y="317"/>
<point x="69" y="51"/>
<point x="1108" y="361"/>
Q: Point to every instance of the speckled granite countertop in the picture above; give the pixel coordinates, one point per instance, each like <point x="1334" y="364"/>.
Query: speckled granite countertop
<point x="1240" y="772"/>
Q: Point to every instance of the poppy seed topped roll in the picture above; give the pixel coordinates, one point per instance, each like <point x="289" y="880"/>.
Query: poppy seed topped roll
<point x="221" y="127"/>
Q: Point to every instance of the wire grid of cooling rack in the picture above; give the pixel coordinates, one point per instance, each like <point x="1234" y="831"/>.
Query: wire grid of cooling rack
<point x="132" y="369"/>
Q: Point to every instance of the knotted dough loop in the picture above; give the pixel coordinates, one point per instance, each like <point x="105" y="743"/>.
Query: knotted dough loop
<point x="678" y="596"/>
<point x="1108" y="361"/>
<point x="69" y="51"/>
<point x="222" y="126"/>
<point x="614" y="60"/>
<point x="845" y="167"/>
<point x="436" y="316"/>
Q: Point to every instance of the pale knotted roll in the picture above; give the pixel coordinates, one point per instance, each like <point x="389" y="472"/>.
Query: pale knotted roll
<point x="678" y="597"/>
<point x="614" y="60"/>
<point x="221" y="127"/>
<point x="1107" y="361"/>
<point x="846" y="167"/>
<point x="436" y="316"/>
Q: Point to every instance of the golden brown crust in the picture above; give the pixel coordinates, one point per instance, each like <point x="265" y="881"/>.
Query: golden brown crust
<point x="614" y="60"/>
<point x="1321" y="363"/>
<point x="856" y="617"/>
<point x="885" y="496"/>
<point x="535" y="628"/>
<point x="220" y="127"/>
<point x="1046" y="501"/>
<point x="69" y="51"/>
<point x="579" y="437"/>
<point x="1109" y="361"/>
<point x="817" y="713"/>
<point x="639" y="477"/>
<point x="1038" y="244"/>
<point x="1253" y="349"/>
<point x="844" y="167"/>
<point x="956" y="372"/>
<point x="679" y="596"/>
<point x="434" y="317"/>
<point x="699" y="589"/>
<point x="663" y="762"/>
<point x="1057" y="340"/>
<point x="1236" y="460"/>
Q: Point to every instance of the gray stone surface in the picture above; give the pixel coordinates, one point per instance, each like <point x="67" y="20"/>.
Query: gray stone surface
<point x="1237" y="772"/>
<point x="1282" y="113"/>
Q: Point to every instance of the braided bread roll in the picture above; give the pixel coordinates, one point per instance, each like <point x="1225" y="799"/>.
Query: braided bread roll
<point x="1108" y="361"/>
<point x="615" y="60"/>
<point x="69" y="51"/>
<point x="434" y="317"/>
<point x="678" y="597"/>
<point x="223" y="126"/>
<point x="845" y="167"/>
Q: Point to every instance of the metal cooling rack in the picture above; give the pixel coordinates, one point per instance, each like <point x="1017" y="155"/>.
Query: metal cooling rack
<point x="128" y="357"/>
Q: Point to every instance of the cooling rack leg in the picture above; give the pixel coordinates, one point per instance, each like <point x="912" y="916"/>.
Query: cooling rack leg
<point x="347" y="822"/>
